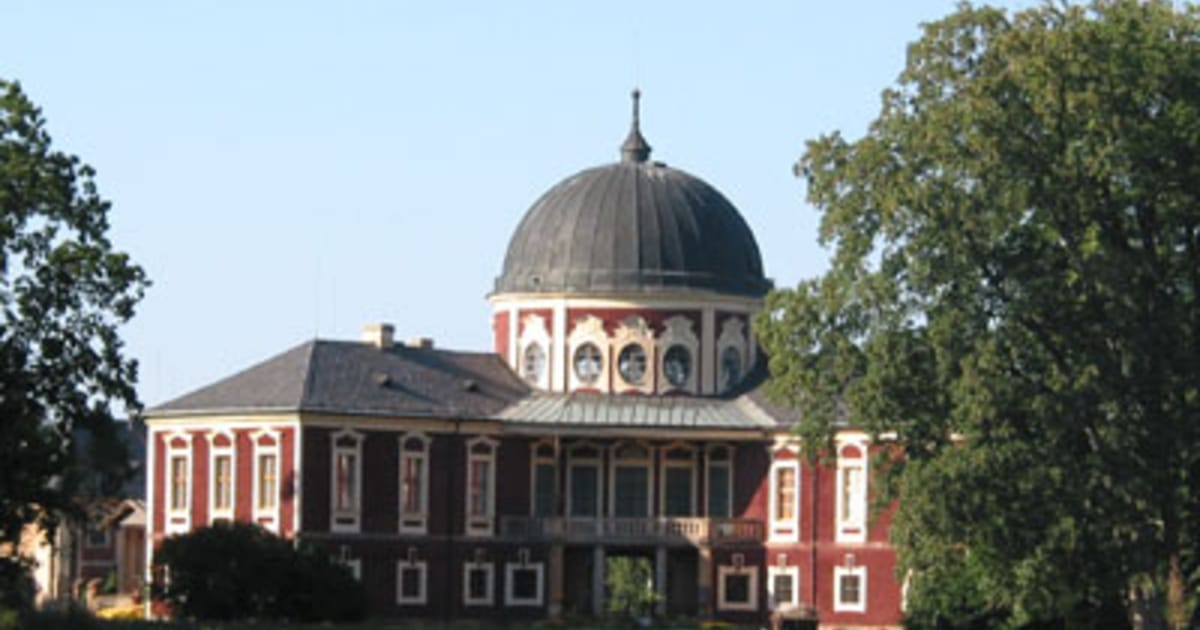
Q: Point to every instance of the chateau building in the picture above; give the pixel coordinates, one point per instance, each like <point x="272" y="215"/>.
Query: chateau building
<point x="619" y="413"/>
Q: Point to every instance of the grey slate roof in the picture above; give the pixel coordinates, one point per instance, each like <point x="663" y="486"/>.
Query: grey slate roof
<point x="599" y="410"/>
<point x="357" y="378"/>
<point x="354" y="378"/>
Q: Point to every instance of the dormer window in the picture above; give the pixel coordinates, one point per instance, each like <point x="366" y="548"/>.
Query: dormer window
<point x="631" y="363"/>
<point x="533" y="362"/>
<point x="589" y="363"/>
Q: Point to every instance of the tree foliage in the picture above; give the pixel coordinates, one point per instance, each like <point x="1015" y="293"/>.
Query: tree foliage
<point x="629" y="581"/>
<point x="1012" y="299"/>
<point x="64" y="292"/>
<point x="240" y="571"/>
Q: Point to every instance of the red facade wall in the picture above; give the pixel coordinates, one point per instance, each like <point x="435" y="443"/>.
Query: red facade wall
<point x="500" y="329"/>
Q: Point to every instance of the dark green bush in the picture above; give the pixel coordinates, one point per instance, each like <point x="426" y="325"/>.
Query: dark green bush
<point x="240" y="571"/>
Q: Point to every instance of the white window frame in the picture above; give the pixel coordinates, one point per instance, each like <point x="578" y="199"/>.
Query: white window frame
<point x="839" y="605"/>
<point x="789" y="571"/>
<point x="678" y="331"/>
<point x="215" y="452"/>
<point x="536" y="459"/>
<point x="414" y="522"/>
<point x="709" y="464"/>
<point x="783" y="530"/>
<point x="646" y="463"/>
<point x="481" y="524"/>
<point x="345" y="521"/>
<point x="854" y="528"/>
<point x="534" y="330"/>
<point x="596" y="462"/>
<point x="422" y="595"/>
<point x="268" y="517"/>
<point x="665" y="463"/>
<point x="733" y="335"/>
<point x="635" y="330"/>
<point x="353" y="564"/>
<point x="726" y="570"/>
<point x="510" y="598"/>
<point x="178" y="520"/>
<point x="489" y="598"/>
<point x="589" y="329"/>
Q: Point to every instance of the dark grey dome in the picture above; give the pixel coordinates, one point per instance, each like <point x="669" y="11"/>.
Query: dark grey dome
<point x="633" y="226"/>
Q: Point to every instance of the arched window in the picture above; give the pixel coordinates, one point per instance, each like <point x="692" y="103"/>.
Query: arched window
<point x="589" y="345"/>
<point x="346" y="483"/>
<point x="679" y="351"/>
<point x="631" y="364"/>
<point x="414" y="483"/>
<point x="630" y="478"/>
<point x="852" y="492"/>
<point x="635" y="342"/>
<point x="481" y="486"/>
<point x="534" y="361"/>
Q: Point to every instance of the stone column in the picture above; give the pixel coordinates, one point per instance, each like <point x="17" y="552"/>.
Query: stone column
<point x="660" y="581"/>
<point x="555" y="609"/>
<point x="598" y="581"/>
<point x="704" y="587"/>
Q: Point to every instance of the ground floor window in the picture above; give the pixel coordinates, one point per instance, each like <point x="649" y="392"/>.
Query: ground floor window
<point x="850" y="589"/>
<point x="783" y="587"/>
<point x="737" y="588"/>
<point x="523" y="584"/>
<point x="477" y="584"/>
<point x="410" y="582"/>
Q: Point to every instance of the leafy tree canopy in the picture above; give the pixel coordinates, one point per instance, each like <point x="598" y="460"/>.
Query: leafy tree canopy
<point x="1012" y="300"/>
<point x="64" y="292"/>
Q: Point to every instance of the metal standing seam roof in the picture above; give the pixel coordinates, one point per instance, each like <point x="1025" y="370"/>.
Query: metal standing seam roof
<point x="600" y="410"/>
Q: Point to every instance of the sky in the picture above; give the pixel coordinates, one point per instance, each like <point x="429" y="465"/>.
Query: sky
<point x="291" y="170"/>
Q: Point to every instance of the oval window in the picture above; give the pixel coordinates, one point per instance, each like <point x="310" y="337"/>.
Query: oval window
<point x="588" y="363"/>
<point x="731" y="368"/>
<point x="533" y="363"/>
<point x="632" y="364"/>
<point x="677" y="366"/>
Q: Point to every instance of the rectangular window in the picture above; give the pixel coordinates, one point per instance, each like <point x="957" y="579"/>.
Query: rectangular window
<point x="179" y="482"/>
<point x="223" y="483"/>
<point x="678" y="492"/>
<point x="413" y="484"/>
<point x="268" y="486"/>
<point x="410" y="583"/>
<point x="544" y="483"/>
<point x="347" y="481"/>
<point x="477" y="584"/>
<point x="632" y="492"/>
<point x="785" y="503"/>
<point x="737" y="588"/>
<point x="783" y="587"/>
<point x="584" y="490"/>
<point x="479" y="482"/>
<point x="523" y="584"/>
<point x="850" y="584"/>
<point x="718" y="491"/>
<point x="98" y="537"/>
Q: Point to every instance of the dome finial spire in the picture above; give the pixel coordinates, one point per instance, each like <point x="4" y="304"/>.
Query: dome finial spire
<point x="635" y="149"/>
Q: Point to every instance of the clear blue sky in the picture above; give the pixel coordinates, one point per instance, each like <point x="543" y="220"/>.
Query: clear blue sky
<point x="285" y="170"/>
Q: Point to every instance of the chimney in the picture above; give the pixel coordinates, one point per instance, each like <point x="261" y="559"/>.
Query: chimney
<point x="424" y="343"/>
<point x="379" y="335"/>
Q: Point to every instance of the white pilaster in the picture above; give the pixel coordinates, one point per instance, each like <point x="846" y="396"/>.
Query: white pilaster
<point x="558" y="343"/>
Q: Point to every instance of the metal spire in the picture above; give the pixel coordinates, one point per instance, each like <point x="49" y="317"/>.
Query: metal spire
<point x="635" y="149"/>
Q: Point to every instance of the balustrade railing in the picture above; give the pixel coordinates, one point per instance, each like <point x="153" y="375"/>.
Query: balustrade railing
<point x="693" y="530"/>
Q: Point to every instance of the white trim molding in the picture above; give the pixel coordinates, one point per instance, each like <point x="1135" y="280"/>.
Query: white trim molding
<point x="510" y="596"/>
<point x="535" y="332"/>
<point x="265" y="508"/>
<point x="481" y="450"/>
<point x="851" y="508"/>
<point x="678" y="331"/>
<point x="589" y="329"/>
<point x="751" y="573"/>
<point x="345" y="508"/>
<point x="414" y="459"/>
<point x="784" y="516"/>
<point x="791" y="572"/>
<point x="488" y="598"/>
<point x="178" y="508"/>
<point x="228" y="452"/>
<point x="840" y="603"/>
<point x="422" y="572"/>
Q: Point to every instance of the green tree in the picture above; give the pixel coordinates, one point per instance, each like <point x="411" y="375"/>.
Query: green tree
<point x="64" y="292"/>
<point x="240" y="570"/>
<point x="630" y="584"/>
<point x="1012" y="302"/>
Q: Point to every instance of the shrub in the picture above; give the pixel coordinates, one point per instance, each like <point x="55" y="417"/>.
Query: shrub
<point x="630" y="582"/>
<point x="239" y="570"/>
